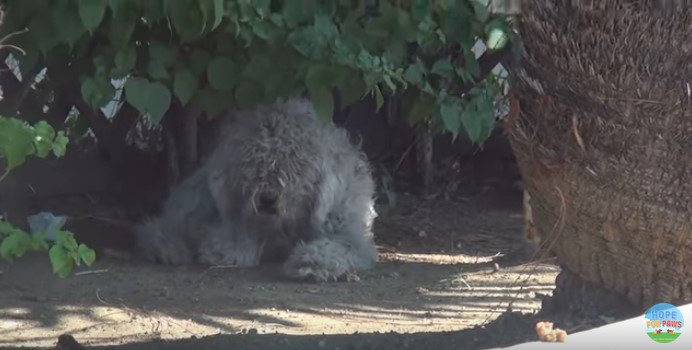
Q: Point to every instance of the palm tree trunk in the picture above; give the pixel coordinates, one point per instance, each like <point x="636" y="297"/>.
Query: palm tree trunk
<point x="602" y="131"/>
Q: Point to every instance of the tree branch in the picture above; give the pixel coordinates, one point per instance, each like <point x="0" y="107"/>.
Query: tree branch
<point x="16" y="97"/>
<point x="487" y="62"/>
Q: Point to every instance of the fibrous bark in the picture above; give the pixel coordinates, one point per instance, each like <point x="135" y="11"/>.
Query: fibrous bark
<point x="602" y="131"/>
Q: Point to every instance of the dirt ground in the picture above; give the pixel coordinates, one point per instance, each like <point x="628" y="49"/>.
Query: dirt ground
<point x="448" y="264"/>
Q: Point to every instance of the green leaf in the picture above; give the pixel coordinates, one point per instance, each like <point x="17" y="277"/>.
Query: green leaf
<point x="325" y="27"/>
<point x="14" y="245"/>
<point x="323" y="102"/>
<point x="414" y="74"/>
<point x="126" y="15"/>
<point x="91" y="12"/>
<point x="396" y="53"/>
<point x="6" y="228"/>
<point x="136" y="91"/>
<point x="368" y="61"/>
<point x="43" y="138"/>
<point x="406" y="28"/>
<point x="160" y="101"/>
<point x="156" y="70"/>
<point x="212" y="101"/>
<point x="457" y="23"/>
<point x="38" y="242"/>
<point x="77" y="126"/>
<point x="74" y="256"/>
<point x="101" y="64"/>
<point x="65" y="270"/>
<point x="277" y="19"/>
<point x="16" y="141"/>
<point x="478" y="118"/>
<point x="60" y="144"/>
<point x="154" y="10"/>
<point x="497" y="39"/>
<point x="261" y="67"/>
<point x="443" y="67"/>
<point x="472" y="124"/>
<point x="222" y="73"/>
<point x="60" y="259"/>
<point x="65" y="239"/>
<point x="306" y="41"/>
<point x="471" y="65"/>
<point x="116" y="5"/>
<point x="328" y="8"/>
<point x="218" y="13"/>
<point x="380" y="28"/>
<point x="420" y="9"/>
<point x="450" y="111"/>
<point x="21" y="12"/>
<point x="319" y="81"/>
<point x="320" y="76"/>
<point x="261" y="6"/>
<point x="97" y="91"/>
<point x="184" y="85"/>
<point x="164" y="54"/>
<point x="125" y="60"/>
<point x="352" y="88"/>
<point x="43" y="32"/>
<point x="248" y="94"/>
<point x="313" y="41"/>
<point x="87" y="254"/>
<point x="379" y="99"/>
<point x="148" y="98"/>
<point x="199" y="61"/>
<point x="68" y="24"/>
<point x="261" y="29"/>
<point x="188" y="18"/>
<point x="480" y="8"/>
<point x="295" y="12"/>
<point x="420" y="110"/>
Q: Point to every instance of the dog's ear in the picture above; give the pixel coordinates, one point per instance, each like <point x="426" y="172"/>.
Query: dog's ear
<point x="219" y="192"/>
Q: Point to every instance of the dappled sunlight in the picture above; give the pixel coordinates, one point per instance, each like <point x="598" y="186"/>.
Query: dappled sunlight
<point x="445" y="270"/>
<point x="164" y="303"/>
<point x="436" y="258"/>
<point x="91" y="323"/>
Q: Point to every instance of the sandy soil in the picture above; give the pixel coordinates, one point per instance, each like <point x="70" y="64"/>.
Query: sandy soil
<point x="447" y="266"/>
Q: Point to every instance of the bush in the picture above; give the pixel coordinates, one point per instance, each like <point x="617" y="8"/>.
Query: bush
<point x="216" y="53"/>
<point x="156" y="58"/>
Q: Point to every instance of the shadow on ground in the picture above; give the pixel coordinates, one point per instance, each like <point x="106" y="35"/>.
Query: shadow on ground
<point x="509" y="329"/>
<point x="126" y="302"/>
<point x="444" y="270"/>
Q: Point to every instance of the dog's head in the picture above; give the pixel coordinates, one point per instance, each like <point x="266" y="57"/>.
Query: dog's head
<point x="268" y="182"/>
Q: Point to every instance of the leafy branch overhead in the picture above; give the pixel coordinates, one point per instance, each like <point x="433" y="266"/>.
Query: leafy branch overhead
<point x="218" y="53"/>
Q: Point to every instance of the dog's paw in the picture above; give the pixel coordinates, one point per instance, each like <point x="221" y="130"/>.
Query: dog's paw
<point x="239" y="254"/>
<point x="168" y="253"/>
<point x="156" y="245"/>
<point x="319" y="261"/>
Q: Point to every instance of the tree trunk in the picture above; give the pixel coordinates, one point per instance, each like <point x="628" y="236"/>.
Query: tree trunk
<point x="424" y="156"/>
<point x="603" y="136"/>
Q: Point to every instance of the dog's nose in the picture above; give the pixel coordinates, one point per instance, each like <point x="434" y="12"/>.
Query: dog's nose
<point x="268" y="202"/>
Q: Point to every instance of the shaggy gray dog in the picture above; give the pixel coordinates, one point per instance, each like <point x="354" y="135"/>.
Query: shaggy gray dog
<point x="281" y="185"/>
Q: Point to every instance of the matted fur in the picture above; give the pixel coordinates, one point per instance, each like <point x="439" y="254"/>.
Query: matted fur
<point x="320" y="191"/>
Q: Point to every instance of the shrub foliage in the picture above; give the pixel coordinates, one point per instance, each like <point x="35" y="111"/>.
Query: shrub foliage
<point x="218" y="53"/>
<point x="207" y="55"/>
